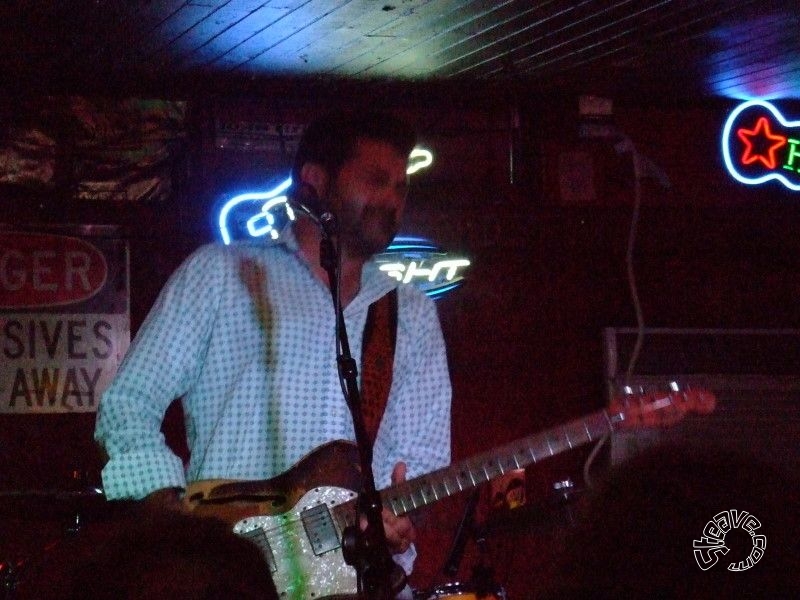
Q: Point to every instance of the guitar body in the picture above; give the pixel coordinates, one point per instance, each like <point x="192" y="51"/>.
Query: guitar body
<point x="290" y="518"/>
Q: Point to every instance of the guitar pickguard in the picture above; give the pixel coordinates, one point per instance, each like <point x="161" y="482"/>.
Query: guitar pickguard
<point x="303" y="546"/>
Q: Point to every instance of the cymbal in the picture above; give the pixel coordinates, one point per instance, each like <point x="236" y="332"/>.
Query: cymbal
<point x="54" y="502"/>
<point x="53" y="494"/>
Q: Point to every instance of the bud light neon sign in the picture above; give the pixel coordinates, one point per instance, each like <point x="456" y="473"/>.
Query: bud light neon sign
<point x="418" y="261"/>
<point x="759" y="145"/>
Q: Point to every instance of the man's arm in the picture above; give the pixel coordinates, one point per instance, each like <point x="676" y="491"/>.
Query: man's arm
<point x="418" y="414"/>
<point x="160" y="365"/>
<point x="421" y="427"/>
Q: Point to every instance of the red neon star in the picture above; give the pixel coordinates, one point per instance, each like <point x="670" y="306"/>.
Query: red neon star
<point x="767" y="155"/>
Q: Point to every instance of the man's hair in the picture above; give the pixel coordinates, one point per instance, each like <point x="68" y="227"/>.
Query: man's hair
<point x="331" y="140"/>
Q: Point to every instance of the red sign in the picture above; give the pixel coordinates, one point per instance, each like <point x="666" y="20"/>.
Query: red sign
<point x="41" y="270"/>
<point x="64" y="319"/>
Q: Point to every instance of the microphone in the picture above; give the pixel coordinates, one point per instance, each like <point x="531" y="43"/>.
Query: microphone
<point x="305" y="199"/>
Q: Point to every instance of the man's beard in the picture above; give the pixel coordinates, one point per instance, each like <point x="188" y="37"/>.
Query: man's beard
<point x="369" y="231"/>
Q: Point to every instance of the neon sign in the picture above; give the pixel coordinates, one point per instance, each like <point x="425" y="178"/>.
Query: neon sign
<point x="409" y="260"/>
<point x="760" y="145"/>
<point x="260" y="214"/>
<point x="419" y="261"/>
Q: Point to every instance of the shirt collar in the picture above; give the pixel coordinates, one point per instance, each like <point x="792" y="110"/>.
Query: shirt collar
<point x="374" y="282"/>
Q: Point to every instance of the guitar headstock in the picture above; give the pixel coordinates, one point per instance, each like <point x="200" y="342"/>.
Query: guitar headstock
<point x="661" y="408"/>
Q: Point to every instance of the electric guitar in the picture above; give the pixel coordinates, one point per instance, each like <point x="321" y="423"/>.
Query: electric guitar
<point x="297" y="518"/>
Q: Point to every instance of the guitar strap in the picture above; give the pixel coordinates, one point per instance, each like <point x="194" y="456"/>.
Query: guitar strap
<point x="377" y="360"/>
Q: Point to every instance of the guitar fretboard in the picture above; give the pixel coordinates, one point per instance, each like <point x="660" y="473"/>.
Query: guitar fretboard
<point x="437" y="485"/>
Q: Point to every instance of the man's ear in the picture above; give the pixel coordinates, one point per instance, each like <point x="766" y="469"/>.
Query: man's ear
<point x="316" y="176"/>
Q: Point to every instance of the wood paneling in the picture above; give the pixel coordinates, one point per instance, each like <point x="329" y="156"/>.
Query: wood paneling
<point x="658" y="49"/>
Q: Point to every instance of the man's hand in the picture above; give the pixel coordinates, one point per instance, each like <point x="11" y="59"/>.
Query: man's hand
<point x="165" y="499"/>
<point x="400" y="533"/>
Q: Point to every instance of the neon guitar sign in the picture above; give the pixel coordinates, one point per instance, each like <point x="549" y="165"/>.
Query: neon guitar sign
<point x="759" y="145"/>
<point x="408" y="260"/>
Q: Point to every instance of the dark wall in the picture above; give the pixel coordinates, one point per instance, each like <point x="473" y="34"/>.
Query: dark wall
<point x="545" y="218"/>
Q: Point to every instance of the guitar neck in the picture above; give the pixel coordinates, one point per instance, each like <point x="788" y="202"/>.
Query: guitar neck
<point x="438" y="485"/>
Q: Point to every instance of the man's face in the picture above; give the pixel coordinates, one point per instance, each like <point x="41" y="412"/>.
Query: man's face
<point x="368" y="197"/>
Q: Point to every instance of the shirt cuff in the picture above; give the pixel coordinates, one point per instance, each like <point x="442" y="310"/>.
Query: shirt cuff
<point x="134" y="475"/>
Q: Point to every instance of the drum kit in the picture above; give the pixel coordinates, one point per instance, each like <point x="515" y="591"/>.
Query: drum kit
<point x="70" y="508"/>
<point x="451" y="591"/>
<point x="556" y="510"/>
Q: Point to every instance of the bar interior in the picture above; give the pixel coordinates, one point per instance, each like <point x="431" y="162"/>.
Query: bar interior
<point x="601" y="207"/>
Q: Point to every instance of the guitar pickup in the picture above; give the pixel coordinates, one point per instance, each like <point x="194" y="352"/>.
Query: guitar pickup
<point x="320" y="529"/>
<point x="259" y="538"/>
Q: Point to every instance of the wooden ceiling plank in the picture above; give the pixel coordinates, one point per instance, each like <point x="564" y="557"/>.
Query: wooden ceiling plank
<point x="607" y="23"/>
<point x="181" y="24"/>
<point x="684" y="29"/>
<point x="557" y="24"/>
<point x="423" y="38"/>
<point x="260" y="51"/>
<point x="376" y="38"/>
<point x="259" y="36"/>
<point x="225" y="16"/>
<point x="569" y="53"/>
<point x="769" y="82"/>
<point x="325" y="38"/>
<point x="426" y="58"/>
<point x="211" y="46"/>
<point x="627" y="40"/>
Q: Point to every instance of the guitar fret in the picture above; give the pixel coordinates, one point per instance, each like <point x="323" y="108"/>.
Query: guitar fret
<point x="481" y="474"/>
<point x="422" y="493"/>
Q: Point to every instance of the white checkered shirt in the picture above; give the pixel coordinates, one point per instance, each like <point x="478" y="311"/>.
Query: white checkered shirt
<point x="245" y="335"/>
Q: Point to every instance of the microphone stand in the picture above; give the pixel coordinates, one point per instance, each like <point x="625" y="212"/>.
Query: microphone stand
<point x="465" y="530"/>
<point x="366" y="550"/>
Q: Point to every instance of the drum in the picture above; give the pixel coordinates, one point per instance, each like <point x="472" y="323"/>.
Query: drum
<point x="459" y="591"/>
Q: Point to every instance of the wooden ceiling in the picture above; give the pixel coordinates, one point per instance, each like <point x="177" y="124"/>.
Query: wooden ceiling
<point x="654" y="49"/>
